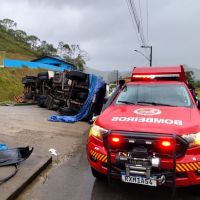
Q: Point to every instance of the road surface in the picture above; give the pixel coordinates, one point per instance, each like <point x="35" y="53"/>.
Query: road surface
<point x="73" y="180"/>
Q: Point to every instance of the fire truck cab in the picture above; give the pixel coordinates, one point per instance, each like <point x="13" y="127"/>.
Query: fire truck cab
<point x="150" y="132"/>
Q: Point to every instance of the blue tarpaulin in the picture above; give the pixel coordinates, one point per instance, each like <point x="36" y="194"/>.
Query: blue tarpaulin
<point x="95" y="83"/>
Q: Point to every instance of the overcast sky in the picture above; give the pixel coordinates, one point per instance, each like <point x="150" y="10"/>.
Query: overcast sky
<point x="104" y="29"/>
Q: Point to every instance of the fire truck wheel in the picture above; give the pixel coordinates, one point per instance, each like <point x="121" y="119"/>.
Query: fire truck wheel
<point x="98" y="175"/>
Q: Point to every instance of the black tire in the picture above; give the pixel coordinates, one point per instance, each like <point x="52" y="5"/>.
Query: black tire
<point x="43" y="74"/>
<point x="77" y="75"/>
<point x="43" y="78"/>
<point x="49" y="102"/>
<point x="41" y="101"/>
<point x="28" y="79"/>
<point x="55" y="107"/>
<point x="98" y="175"/>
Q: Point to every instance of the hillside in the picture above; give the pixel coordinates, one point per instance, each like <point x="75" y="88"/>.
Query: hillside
<point x="10" y="48"/>
<point x="10" y="81"/>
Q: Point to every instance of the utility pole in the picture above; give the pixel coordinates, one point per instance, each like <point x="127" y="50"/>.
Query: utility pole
<point x="117" y="76"/>
<point x="150" y="56"/>
<point x="150" y="59"/>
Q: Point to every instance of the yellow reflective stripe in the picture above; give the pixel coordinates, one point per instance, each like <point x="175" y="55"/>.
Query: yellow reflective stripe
<point x="178" y="169"/>
<point x="101" y="157"/>
<point x="181" y="167"/>
<point x="194" y="167"/>
<point x="104" y="159"/>
<point x="95" y="154"/>
<point x="188" y="165"/>
<point x="185" y="167"/>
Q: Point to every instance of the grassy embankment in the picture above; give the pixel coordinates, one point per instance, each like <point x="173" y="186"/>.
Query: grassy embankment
<point x="10" y="48"/>
<point x="10" y="78"/>
<point x="10" y="82"/>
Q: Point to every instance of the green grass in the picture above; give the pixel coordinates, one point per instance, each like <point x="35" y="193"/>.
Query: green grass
<point x="10" y="78"/>
<point x="11" y="82"/>
<point x="10" y="48"/>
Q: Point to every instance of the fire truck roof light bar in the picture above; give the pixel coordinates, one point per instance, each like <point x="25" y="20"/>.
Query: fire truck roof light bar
<point x="153" y="76"/>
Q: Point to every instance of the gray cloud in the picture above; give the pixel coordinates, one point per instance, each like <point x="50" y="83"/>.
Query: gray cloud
<point x="103" y="28"/>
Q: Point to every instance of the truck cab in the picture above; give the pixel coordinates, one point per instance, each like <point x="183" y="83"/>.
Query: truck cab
<point x="150" y="132"/>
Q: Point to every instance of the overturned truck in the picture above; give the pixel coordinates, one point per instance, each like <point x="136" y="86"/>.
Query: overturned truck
<point x="66" y="92"/>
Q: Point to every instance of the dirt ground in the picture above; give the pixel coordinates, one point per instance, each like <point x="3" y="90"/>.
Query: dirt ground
<point x="28" y="126"/>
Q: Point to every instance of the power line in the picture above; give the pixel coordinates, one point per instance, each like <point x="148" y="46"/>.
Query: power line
<point x="139" y="2"/>
<point x="147" y="10"/>
<point x="132" y="19"/>
<point x="136" y="20"/>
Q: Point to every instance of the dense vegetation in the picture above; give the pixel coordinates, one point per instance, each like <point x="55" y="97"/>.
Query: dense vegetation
<point x="15" y="43"/>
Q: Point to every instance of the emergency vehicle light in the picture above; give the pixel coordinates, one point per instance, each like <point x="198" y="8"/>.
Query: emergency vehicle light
<point x="165" y="144"/>
<point x="153" y="76"/>
<point x="115" y="140"/>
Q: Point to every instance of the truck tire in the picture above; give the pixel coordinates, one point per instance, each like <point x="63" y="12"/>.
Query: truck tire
<point x="41" y="101"/>
<point x="43" y="78"/>
<point x="28" y="79"/>
<point x="77" y="75"/>
<point x="98" y="175"/>
<point x="43" y="74"/>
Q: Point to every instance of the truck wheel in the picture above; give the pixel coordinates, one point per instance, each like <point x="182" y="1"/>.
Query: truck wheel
<point x="43" y="74"/>
<point x="98" y="175"/>
<point x="43" y="78"/>
<point x="41" y="100"/>
<point x="77" y="75"/>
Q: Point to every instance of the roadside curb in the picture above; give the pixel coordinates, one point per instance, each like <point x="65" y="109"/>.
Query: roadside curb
<point x="21" y="187"/>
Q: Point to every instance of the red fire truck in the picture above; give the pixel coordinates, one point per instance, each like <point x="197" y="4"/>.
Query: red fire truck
<point x="150" y="132"/>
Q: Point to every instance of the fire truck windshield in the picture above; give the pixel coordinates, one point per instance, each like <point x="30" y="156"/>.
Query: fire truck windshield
<point x="155" y="94"/>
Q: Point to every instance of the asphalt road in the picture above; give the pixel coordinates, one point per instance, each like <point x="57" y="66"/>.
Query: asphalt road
<point x="73" y="181"/>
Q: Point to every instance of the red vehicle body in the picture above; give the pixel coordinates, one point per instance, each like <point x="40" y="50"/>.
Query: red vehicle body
<point x="153" y="141"/>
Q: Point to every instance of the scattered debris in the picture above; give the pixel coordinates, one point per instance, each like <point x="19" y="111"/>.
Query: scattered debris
<point x="53" y="152"/>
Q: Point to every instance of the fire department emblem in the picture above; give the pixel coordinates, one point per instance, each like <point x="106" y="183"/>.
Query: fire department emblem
<point x="147" y="111"/>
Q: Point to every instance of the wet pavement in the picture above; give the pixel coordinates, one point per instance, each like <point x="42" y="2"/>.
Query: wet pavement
<point x="73" y="180"/>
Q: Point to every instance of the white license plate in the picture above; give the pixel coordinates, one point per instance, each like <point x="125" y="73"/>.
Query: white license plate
<point x="139" y="180"/>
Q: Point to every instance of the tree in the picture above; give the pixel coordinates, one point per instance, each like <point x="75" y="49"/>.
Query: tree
<point x="21" y="36"/>
<point x="47" y="49"/>
<point x="8" y="23"/>
<point x="33" y="41"/>
<point x="190" y="77"/>
<point x="73" y="54"/>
